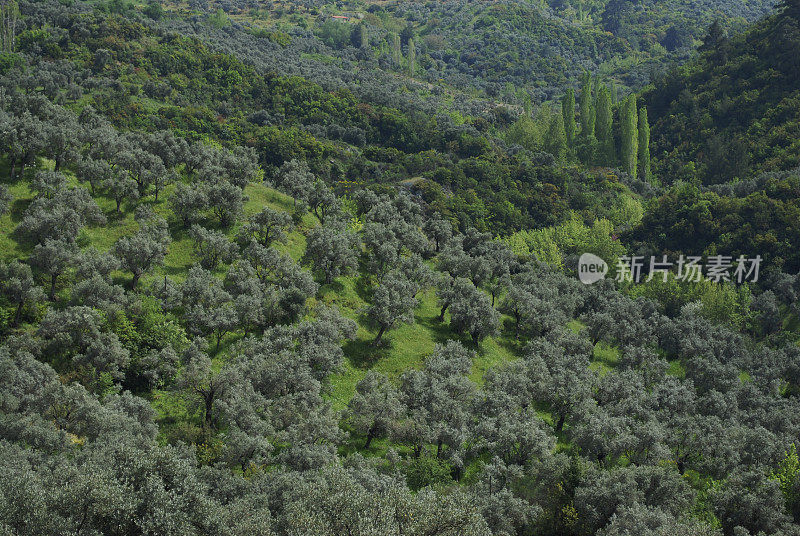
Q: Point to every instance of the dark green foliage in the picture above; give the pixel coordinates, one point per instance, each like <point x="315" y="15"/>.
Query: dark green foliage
<point x="644" y="171"/>
<point x="604" y="128"/>
<point x="630" y="136"/>
<point x="568" y="112"/>
<point x="587" y="109"/>
<point x="725" y="130"/>
<point x="427" y="471"/>
<point x="653" y="409"/>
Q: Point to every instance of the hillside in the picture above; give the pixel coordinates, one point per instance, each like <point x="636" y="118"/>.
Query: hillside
<point x="725" y="135"/>
<point x="258" y="279"/>
<point x="732" y="113"/>
<point x="515" y="51"/>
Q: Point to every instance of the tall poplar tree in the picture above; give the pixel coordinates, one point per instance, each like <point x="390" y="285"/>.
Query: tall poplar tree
<point x="644" y="145"/>
<point x="629" y="132"/>
<point x="9" y="17"/>
<point x="412" y="57"/>
<point x="555" y="141"/>
<point x="568" y="111"/>
<point x="397" y="54"/>
<point x="587" y="108"/>
<point x="604" y="128"/>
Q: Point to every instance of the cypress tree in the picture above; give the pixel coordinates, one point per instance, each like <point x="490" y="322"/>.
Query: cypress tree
<point x="644" y="145"/>
<point x="587" y="108"/>
<point x="604" y="127"/>
<point x="412" y="57"/>
<point x="630" y="136"/>
<point x="394" y="43"/>
<point x="9" y="17"/>
<point x="568" y="111"/>
<point x="359" y="37"/>
<point x="555" y="141"/>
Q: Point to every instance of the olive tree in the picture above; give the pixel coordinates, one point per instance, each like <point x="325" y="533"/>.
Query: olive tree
<point x="211" y="247"/>
<point x="331" y="249"/>
<point x="393" y="303"/>
<point x="143" y="250"/>
<point x="19" y="288"/>
<point x="375" y="406"/>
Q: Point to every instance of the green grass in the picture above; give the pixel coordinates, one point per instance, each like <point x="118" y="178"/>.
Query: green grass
<point x="575" y="326"/>
<point x="605" y="358"/>
<point x="676" y="369"/>
<point x="404" y="348"/>
<point x="9" y="247"/>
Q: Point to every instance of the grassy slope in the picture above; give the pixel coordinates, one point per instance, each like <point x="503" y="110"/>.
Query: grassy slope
<point x="406" y="347"/>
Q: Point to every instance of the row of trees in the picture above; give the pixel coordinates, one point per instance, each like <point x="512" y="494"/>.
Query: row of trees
<point x="596" y="140"/>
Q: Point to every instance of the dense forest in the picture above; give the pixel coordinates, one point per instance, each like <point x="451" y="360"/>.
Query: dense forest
<point x="312" y="268"/>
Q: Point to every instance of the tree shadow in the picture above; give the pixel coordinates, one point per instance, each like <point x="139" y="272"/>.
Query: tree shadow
<point x="175" y="270"/>
<point x="363" y="287"/>
<point x="509" y="342"/>
<point x="122" y="278"/>
<point x="362" y="354"/>
<point x="335" y="286"/>
<point x="18" y="208"/>
<point x="114" y="216"/>
<point x="24" y="241"/>
<point x="440" y="331"/>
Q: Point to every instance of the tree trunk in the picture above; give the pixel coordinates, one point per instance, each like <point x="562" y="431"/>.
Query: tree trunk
<point x="136" y="276"/>
<point x="370" y="437"/>
<point x="18" y="314"/>
<point x="209" y="407"/>
<point x="52" y="295"/>
<point x="377" y="340"/>
<point x="560" y="423"/>
<point x="444" y="310"/>
<point x="457" y="474"/>
<point x="475" y="338"/>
